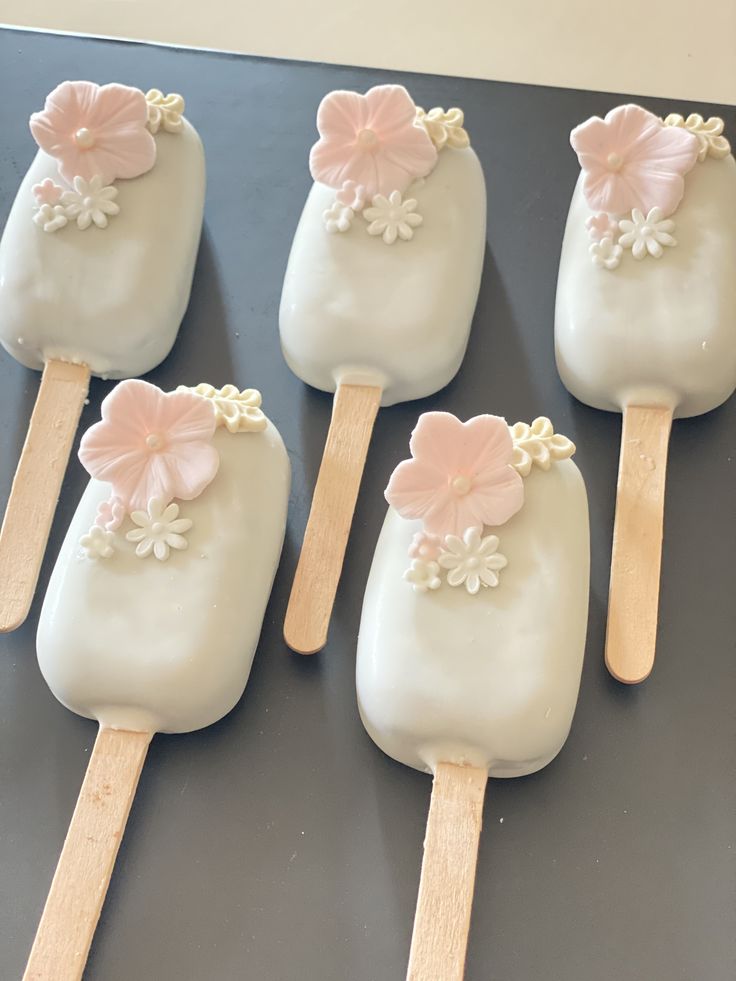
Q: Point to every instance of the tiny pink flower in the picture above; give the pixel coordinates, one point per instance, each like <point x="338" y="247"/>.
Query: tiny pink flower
<point x="47" y="192"/>
<point x="460" y="475"/>
<point x="425" y="547"/>
<point x="601" y="226"/>
<point x="152" y="444"/>
<point x="352" y="195"/>
<point x="371" y="140"/>
<point x="95" y="130"/>
<point x="110" y="514"/>
<point x="631" y="159"/>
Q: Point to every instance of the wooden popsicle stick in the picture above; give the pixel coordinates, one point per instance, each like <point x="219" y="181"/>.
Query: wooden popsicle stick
<point x="633" y="597"/>
<point x="328" y="526"/>
<point x="36" y="486"/>
<point x="79" y="886"/>
<point x="442" y="920"/>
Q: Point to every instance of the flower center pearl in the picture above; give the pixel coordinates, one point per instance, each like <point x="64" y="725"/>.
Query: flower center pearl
<point x="367" y="139"/>
<point x="473" y="562"/>
<point x="84" y="138"/>
<point x="157" y="527"/>
<point x="461" y="484"/>
<point x="614" y="161"/>
<point x="154" y="441"/>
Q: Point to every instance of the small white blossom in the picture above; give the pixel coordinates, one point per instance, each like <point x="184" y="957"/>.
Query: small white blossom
<point x="605" y="254"/>
<point x="351" y="195"/>
<point x="423" y="575"/>
<point x="472" y="560"/>
<point x="98" y="543"/>
<point x="646" y="234"/>
<point x="337" y="218"/>
<point x="90" y="202"/>
<point x="50" y="217"/>
<point x="160" y="529"/>
<point x="392" y="218"/>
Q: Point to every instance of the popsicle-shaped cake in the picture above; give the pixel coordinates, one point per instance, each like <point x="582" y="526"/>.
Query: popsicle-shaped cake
<point x="646" y="322"/>
<point x="378" y="297"/>
<point x="470" y="666"/>
<point x="154" y="608"/>
<point x="96" y="265"/>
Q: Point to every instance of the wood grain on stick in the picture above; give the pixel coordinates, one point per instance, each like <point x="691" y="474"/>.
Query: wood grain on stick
<point x="328" y="526"/>
<point x="442" y="920"/>
<point x="36" y="486"/>
<point x="83" y="873"/>
<point x="633" y="598"/>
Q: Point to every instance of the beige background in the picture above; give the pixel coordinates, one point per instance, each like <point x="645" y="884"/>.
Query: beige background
<point x="647" y="47"/>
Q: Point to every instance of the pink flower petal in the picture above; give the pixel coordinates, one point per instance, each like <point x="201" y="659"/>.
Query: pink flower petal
<point x="341" y="115"/>
<point x="191" y="468"/>
<point x="416" y="489"/>
<point x="186" y="417"/>
<point x="497" y="496"/>
<point x="391" y="109"/>
<point x="437" y="440"/>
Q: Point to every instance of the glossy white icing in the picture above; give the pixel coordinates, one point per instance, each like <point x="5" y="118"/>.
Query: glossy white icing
<point x="655" y="331"/>
<point x="113" y="298"/>
<point x="168" y="646"/>
<point x="491" y="679"/>
<point x="398" y="316"/>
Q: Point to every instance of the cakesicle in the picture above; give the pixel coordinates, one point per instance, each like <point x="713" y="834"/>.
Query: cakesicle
<point x="378" y="296"/>
<point x="645" y="323"/>
<point x="154" y="607"/>
<point x="96" y="265"/>
<point x="470" y="666"/>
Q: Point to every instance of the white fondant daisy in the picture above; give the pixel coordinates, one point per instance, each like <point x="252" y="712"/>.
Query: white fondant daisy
<point x="645" y="235"/>
<point x="423" y="575"/>
<point x="90" y="202"/>
<point x="472" y="561"/>
<point x="98" y="543"/>
<point x="337" y="218"/>
<point x="160" y="529"/>
<point x="605" y="254"/>
<point x="392" y="218"/>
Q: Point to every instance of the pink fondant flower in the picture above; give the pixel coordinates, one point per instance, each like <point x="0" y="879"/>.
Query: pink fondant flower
<point x="110" y="514"/>
<point x="92" y="129"/>
<point x="632" y="160"/>
<point x="425" y="547"/>
<point x="372" y="140"/>
<point x="460" y="475"/>
<point x="47" y="192"/>
<point x="152" y="444"/>
<point x="351" y="195"/>
<point x="601" y="226"/>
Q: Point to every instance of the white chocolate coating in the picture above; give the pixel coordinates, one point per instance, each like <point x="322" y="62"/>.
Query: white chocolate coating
<point x="112" y="297"/>
<point x="398" y="316"/>
<point x="655" y="331"/>
<point x="490" y="680"/>
<point x="167" y="646"/>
